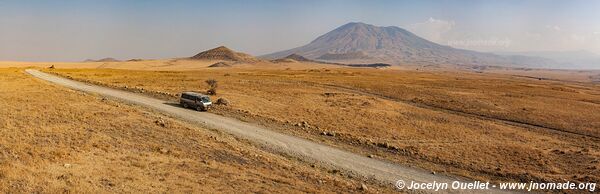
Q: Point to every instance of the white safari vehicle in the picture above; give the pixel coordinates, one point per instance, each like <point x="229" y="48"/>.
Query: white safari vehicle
<point x="195" y="100"/>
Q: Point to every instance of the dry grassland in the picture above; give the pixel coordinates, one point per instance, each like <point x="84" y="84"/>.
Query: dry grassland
<point x="483" y="126"/>
<point x="55" y="140"/>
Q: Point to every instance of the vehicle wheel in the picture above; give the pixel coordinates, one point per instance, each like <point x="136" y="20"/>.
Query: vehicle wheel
<point x="199" y="108"/>
<point x="185" y="105"/>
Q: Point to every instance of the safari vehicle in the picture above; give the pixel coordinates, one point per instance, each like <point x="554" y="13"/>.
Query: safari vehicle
<point x="195" y="100"/>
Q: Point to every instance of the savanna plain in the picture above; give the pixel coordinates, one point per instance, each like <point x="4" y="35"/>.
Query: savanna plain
<point x="57" y="140"/>
<point x="484" y="126"/>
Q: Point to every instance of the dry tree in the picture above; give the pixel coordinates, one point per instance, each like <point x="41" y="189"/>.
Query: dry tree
<point x="212" y="84"/>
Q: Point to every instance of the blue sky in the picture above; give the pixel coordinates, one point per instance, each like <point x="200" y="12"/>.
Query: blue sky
<point x="77" y="30"/>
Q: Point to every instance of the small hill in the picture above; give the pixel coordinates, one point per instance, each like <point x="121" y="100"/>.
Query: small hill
<point x="103" y="60"/>
<point x="284" y="60"/>
<point x="226" y="54"/>
<point x="293" y="58"/>
<point x="221" y="64"/>
<point x="297" y="57"/>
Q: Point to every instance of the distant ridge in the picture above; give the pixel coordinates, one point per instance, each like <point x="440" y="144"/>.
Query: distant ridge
<point x="225" y="54"/>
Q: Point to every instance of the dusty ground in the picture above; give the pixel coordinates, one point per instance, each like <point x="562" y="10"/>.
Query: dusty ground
<point x="483" y="126"/>
<point x="58" y="140"/>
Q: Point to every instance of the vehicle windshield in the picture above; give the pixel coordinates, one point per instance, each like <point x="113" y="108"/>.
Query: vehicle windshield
<point x="205" y="99"/>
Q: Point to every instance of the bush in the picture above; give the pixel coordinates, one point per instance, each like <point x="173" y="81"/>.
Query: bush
<point x="212" y="84"/>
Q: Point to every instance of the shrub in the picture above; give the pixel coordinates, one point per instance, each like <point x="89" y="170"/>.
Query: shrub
<point x="212" y="84"/>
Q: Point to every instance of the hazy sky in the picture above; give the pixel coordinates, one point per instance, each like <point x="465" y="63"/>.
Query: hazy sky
<point x="77" y="30"/>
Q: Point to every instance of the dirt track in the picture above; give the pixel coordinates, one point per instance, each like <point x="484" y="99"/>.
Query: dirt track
<point x="304" y="149"/>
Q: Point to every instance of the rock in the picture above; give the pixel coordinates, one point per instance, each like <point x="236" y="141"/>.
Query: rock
<point x="363" y="187"/>
<point x="63" y="177"/>
<point x="160" y="123"/>
<point x="305" y="124"/>
<point x="164" y="150"/>
<point x="67" y="165"/>
<point x="433" y="172"/>
<point x="371" y="156"/>
<point x="222" y="101"/>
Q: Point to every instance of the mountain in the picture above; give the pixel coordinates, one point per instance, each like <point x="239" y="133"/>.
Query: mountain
<point x="225" y="54"/>
<point x="364" y="43"/>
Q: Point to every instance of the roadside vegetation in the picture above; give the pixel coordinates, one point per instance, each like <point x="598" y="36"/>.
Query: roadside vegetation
<point x="212" y="86"/>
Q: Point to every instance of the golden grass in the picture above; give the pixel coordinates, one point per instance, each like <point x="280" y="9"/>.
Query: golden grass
<point x="453" y="122"/>
<point x="57" y="140"/>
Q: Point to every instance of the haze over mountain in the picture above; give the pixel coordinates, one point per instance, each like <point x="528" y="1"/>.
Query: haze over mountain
<point x="578" y="59"/>
<point x="364" y="43"/>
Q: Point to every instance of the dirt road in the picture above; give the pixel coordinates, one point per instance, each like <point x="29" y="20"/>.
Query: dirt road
<point x="301" y="148"/>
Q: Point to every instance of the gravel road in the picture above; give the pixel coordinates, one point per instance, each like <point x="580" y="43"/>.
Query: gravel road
<point x="298" y="147"/>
